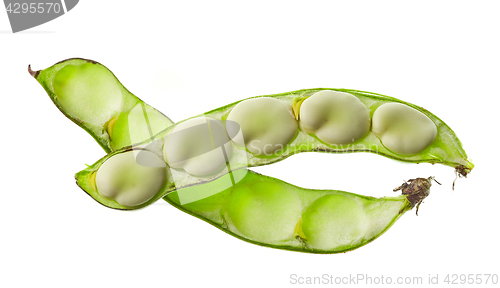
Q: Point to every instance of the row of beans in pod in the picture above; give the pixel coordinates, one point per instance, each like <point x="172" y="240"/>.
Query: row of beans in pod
<point x="269" y="126"/>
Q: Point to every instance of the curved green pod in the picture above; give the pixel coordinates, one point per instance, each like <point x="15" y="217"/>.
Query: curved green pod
<point x="440" y="144"/>
<point x="269" y="212"/>
<point x="91" y="96"/>
<point x="314" y="221"/>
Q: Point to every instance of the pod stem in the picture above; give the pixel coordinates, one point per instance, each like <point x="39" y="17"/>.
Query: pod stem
<point x="33" y="73"/>
<point x="460" y="171"/>
<point x="416" y="190"/>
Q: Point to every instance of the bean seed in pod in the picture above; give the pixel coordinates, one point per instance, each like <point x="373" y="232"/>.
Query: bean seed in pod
<point x="200" y="146"/>
<point x="403" y="129"/>
<point x="265" y="211"/>
<point x="267" y="124"/>
<point x="334" y="117"/>
<point x="334" y="221"/>
<point x="131" y="178"/>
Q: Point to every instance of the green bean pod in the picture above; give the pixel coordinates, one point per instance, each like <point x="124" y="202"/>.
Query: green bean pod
<point x="269" y="212"/>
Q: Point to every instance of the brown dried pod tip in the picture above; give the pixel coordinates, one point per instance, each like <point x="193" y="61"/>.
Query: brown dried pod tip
<point x="416" y="189"/>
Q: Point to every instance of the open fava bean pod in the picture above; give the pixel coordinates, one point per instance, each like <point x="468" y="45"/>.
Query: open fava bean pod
<point x="252" y="132"/>
<point x="257" y="209"/>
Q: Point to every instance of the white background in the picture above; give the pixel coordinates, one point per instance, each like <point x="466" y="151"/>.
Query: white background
<point x="189" y="58"/>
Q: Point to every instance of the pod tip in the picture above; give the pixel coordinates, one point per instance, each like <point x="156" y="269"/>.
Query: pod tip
<point x="416" y="190"/>
<point x="33" y="73"/>
<point x="461" y="171"/>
